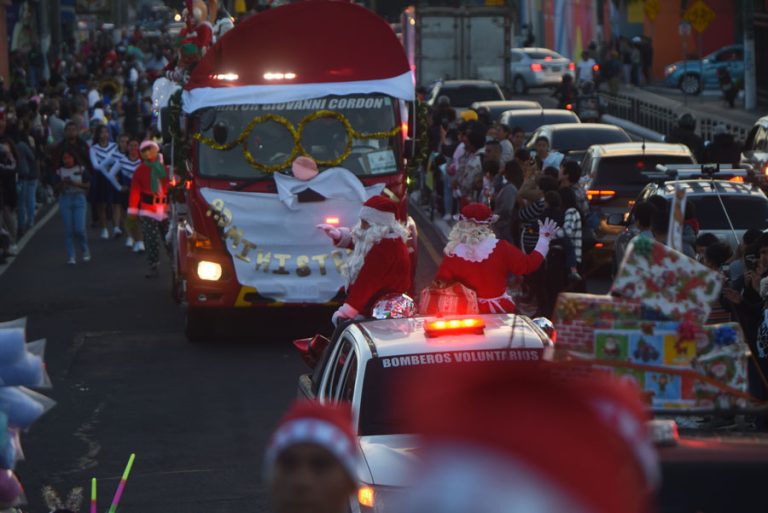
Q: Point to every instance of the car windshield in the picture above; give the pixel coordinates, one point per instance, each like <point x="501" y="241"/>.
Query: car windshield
<point x="628" y="171"/>
<point x="270" y="142"/>
<point x="540" y="55"/>
<point x="581" y="138"/>
<point x="530" y="122"/>
<point x="744" y="211"/>
<point x="462" y="96"/>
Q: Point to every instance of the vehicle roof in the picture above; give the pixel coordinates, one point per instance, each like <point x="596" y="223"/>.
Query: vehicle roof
<point x="395" y="337"/>
<point x="541" y="112"/>
<point x="636" y="148"/>
<point x="581" y="126"/>
<point x="349" y="44"/>
<point x="536" y="49"/>
<point x="505" y="103"/>
<point x="702" y="187"/>
<point x="460" y="82"/>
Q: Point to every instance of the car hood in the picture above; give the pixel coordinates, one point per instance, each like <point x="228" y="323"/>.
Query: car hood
<point x="390" y="458"/>
<point x="691" y="65"/>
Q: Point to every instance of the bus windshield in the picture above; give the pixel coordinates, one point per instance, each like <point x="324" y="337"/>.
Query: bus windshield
<point x="270" y="142"/>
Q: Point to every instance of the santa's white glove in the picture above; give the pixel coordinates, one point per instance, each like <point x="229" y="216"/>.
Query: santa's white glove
<point x="547" y="231"/>
<point x="344" y="313"/>
<point x="331" y="231"/>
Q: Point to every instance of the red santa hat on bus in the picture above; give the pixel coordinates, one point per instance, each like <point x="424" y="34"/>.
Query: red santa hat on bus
<point x="326" y="425"/>
<point x="379" y="210"/>
<point x="550" y="443"/>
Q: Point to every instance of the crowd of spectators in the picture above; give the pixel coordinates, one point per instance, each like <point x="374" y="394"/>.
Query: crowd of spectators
<point x="94" y="94"/>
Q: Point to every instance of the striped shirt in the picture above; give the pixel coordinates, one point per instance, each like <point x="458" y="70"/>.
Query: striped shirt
<point x="123" y="168"/>
<point x="103" y="156"/>
<point x="530" y="216"/>
<point x="572" y="230"/>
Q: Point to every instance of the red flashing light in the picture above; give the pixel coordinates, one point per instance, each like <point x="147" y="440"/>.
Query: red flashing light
<point x="736" y="179"/>
<point x="599" y="245"/>
<point x="600" y="195"/>
<point x="571" y="66"/>
<point x="444" y="327"/>
<point x="596" y="68"/>
<point x="568" y="106"/>
<point x="332" y="221"/>
<point x="536" y="67"/>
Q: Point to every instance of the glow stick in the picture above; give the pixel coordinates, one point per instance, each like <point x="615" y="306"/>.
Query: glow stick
<point x="93" y="495"/>
<point x="121" y="486"/>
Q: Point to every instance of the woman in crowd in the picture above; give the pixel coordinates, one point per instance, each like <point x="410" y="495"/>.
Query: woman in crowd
<point x="102" y="155"/>
<point x="73" y="183"/>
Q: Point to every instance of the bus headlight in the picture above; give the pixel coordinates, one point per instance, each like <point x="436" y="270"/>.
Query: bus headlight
<point x="209" y="271"/>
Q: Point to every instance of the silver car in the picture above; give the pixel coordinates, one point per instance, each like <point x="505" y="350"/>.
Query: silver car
<point x="538" y="67"/>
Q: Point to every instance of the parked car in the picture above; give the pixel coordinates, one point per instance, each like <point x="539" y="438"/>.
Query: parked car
<point x="497" y="108"/>
<point x="464" y="93"/>
<point x="692" y="76"/>
<point x="531" y="119"/>
<point x="573" y="139"/>
<point x="538" y="67"/>
<point x="755" y="151"/>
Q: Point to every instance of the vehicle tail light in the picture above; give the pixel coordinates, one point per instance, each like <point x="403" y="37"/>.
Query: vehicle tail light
<point x="596" y="68"/>
<point x="536" y="67"/>
<point x="332" y="220"/>
<point x="548" y="58"/>
<point x="600" y="195"/>
<point x="188" y="184"/>
<point x="736" y="179"/>
<point x="444" y="327"/>
<point x="571" y="66"/>
<point x="599" y="245"/>
<point x="568" y="106"/>
<point x="366" y="496"/>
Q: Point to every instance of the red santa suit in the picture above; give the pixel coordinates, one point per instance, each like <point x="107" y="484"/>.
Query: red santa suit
<point x="379" y="264"/>
<point x="143" y="201"/>
<point x="484" y="265"/>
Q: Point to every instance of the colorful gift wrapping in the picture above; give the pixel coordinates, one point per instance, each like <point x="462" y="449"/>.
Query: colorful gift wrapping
<point x="578" y="315"/>
<point x="452" y="299"/>
<point x="667" y="281"/>
<point x="676" y="366"/>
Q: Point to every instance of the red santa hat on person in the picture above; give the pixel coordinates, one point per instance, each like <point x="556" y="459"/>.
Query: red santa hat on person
<point x="379" y="210"/>
<point x="550" y="443"/>
<point x="326" y="425"/>
<point x="478" y="214"/>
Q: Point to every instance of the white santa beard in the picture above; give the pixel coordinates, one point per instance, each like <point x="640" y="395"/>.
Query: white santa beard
<point x="364" y="240"/>
<point x="467" y="233"/>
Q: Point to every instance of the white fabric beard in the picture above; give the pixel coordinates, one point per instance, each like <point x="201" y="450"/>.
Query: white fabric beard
<point x="468" y="233"/>
<point x="364" y="239"/>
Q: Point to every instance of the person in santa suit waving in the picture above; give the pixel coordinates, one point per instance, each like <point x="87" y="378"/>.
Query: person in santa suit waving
<point x="478" y="260"/>
<point x="379" y="264"/>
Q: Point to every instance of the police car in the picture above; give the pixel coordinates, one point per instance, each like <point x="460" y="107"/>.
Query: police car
<point x="366" y="360"/>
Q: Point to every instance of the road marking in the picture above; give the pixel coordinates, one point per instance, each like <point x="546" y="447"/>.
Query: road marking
<point x="28" y="237"/>
<point x="433" y="254"/>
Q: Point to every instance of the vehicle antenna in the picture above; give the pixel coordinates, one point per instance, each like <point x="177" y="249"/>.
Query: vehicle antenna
<point x="725" y="211"/>
<point x="643" y="146"/>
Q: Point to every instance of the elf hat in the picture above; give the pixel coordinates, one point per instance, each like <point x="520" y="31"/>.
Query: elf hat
<point x="147" y="144"/>
<point x="379" y="210"/>
<point x="326" y="425"/>
<point x="478" y="214"/>
<point x="551" y="442"/>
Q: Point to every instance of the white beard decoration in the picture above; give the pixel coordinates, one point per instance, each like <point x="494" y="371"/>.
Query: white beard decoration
<point x="364" y="239"/>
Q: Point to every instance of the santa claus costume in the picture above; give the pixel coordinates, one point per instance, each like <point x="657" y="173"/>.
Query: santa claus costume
<point x="478" y="260"/>
<point x="379" y="264"/>
<point x="148" y="200"/>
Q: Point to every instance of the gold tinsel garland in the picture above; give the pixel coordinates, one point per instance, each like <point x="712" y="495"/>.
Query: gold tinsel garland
<point x="295" y="132"/>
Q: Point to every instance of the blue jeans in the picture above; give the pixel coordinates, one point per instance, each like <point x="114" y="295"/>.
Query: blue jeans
<point x="27" y="203"/>
<point x="72" y="206"/>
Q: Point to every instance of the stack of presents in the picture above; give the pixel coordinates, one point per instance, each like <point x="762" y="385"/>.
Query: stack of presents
<point x="651" y="329"/>
<point x="22" y="369"/>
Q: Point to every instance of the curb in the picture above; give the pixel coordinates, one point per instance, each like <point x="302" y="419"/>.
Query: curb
<point x="28" y="236"/>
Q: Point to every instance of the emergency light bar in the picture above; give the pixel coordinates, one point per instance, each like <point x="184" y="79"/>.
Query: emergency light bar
<point x="691" y="171"/>
<point x="446" y="327"/>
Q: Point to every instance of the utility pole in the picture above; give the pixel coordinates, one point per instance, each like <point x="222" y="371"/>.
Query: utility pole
<point x="750" y="76"/>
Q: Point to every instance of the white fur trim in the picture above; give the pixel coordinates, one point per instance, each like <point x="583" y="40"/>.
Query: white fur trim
<point x="400" y="86"/>
<point x="478" y="252"/>
<point x="374" y="216"/>
<point x="318" y="432"/>
<point x="345" y="238"/>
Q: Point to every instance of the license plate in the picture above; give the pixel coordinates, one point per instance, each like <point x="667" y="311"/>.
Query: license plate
<point x="555" y="69"/>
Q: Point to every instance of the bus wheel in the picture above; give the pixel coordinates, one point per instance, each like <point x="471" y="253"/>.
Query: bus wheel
<point x="197" y="325"/>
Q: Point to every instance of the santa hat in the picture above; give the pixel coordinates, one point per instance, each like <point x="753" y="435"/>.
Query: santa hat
<point x="478" y="214"/>
<point x="379" y="210"/>
<point x="304" y="168"/>
<point x="550" y="443"/>
<point x="326" y="425"/>
<point x="147" y="144"/>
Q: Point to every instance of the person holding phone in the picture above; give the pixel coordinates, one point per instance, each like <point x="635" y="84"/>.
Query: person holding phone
<point x="73" y="181"/>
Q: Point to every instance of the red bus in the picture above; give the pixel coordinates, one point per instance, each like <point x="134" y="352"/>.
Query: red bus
<point x="325" y="79"/>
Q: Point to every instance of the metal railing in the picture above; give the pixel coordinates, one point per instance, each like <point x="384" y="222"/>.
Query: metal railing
<point x="662" y="119"/>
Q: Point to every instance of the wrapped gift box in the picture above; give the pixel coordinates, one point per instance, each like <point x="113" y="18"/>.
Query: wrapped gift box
<point x="643" y="350"/>
<point x="667" y="281"/>
<point x="577" y="316"/>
